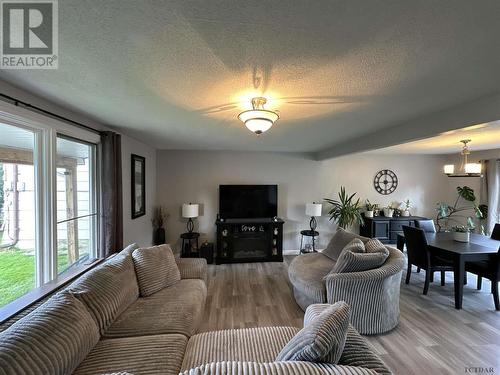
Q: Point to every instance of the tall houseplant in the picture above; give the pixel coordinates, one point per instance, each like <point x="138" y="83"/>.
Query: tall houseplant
<point x="453" y="214"/>
<point x="345" y="211"/>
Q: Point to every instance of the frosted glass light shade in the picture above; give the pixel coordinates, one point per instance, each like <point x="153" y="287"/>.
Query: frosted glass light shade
<point x="472" y="168"/>
<point x="258" y="126"/>
<point x="314" y="209"/>
<point x="190" y="210"/>
<point x="449" y="169"/>
<point x="258" y="120"/>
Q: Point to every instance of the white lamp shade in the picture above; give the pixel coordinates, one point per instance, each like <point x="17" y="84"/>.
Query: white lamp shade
<point x="449" y="169"/>
<point x="258" y="125"/>
<point x="314" y="209"/>
<point x="472" y="168"/>
<point x="190" y="210"/>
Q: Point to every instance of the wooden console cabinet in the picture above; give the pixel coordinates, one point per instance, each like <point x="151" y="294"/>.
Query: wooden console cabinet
<point x="249" y="240"/>
<point x="386" y="229"/>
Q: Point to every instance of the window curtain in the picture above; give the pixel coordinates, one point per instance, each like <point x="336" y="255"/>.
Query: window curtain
<point x="490" y="192"/>
<point x="111" y="194"/>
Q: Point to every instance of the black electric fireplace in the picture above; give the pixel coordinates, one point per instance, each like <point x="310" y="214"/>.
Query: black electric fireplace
<point x="247" y="228"/>
<point x="250" y="241"/>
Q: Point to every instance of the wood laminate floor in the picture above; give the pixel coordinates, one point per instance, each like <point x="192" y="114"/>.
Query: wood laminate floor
<point x="432" y="338"/>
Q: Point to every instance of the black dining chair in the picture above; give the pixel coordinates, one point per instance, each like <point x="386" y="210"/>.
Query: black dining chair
<point x="427" y="225"/>
<point x="420" y="256"/>
<point x="495" y="235"/>
<point x="489" y="270"/>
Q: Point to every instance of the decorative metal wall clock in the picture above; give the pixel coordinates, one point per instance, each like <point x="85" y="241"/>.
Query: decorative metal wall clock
<point x="385" y="181"/>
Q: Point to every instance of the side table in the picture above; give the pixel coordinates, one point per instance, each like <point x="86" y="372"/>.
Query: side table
<point x="308" y="233"/>
<point x="187" y="244"/>
<point x="207" y="252"/>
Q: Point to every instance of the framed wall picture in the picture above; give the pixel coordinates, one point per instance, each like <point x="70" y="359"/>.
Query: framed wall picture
<point x="138" y="191"/>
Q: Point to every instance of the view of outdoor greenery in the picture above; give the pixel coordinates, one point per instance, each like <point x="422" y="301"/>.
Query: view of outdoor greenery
<point x="17" y="268"/>
<point x="17" y="274"/>
<point x="17" y="256"/>
<point x="17" y="271"/>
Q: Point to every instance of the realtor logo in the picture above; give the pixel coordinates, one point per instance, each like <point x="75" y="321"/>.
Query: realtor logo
<point x="29" y="34"/>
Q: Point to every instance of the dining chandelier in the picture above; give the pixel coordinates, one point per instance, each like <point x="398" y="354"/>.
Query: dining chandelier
<point x="466" y="169"/>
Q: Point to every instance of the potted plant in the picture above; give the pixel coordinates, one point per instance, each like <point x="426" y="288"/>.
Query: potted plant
<point x="369" y="208"/>
<point x="160" y="216"/>
<point x="448" y="214"/>
<point x="388" y="211"/>
<point x="461" y="233"/>
<point x="345" y="211"/>
<point x="405" y="208"/>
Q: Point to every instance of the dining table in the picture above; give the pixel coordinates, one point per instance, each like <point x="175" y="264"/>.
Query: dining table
<point x="442" y="244"/>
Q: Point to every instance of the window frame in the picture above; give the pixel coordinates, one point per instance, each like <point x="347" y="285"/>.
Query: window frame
<point x="93" y="198"/>
<point x="46" y="130"/>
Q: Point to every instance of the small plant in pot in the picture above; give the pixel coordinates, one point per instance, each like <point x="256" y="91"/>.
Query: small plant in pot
<point x="369" y="208"/>
<point x="453" y="214"/>
<point x="346" y="211"/>
<point x="461" y="233"/>
<point x="388" y="211"/>
<point x="405" y="208"/>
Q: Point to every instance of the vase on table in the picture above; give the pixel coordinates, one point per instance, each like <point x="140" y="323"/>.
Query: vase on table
<point x="159" y="236"/>
<point x="388" y="212"/>
<point x="461" y="236"/>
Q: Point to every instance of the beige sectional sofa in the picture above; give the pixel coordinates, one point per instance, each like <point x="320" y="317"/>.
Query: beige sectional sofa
<point x="100" y="325"/>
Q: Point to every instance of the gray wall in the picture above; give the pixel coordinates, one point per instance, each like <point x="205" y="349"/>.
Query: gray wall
<point x="194" y="176"/>
<point x="138" y="230"/>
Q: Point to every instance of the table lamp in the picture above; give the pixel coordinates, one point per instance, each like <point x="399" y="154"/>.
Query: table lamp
<point x="190" y="211"/>
<point x="313" y="209"/>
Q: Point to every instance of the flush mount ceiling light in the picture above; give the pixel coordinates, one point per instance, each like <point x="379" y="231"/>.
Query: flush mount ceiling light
<point x="466" y="169"/>
<point x="258" y="119"/>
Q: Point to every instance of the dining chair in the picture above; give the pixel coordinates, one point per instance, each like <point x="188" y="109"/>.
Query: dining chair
<point x="420" y="256"/>
<point x="427" y="225"/>
<point x="489" y="270"/>
<point x="495" y="235"/>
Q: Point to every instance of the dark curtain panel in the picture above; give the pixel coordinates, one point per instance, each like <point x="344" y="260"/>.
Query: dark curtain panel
<point x="112" y="204"/>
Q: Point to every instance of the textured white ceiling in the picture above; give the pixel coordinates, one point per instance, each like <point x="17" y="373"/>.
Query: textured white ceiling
<point x="482" y="136"/>
<point x="176" y="73"/>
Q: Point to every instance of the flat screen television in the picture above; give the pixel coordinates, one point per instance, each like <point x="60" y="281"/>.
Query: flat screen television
<point x="248" y="201"/>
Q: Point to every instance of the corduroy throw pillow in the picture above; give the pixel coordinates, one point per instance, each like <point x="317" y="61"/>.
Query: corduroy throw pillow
<point x="339" y="240"/>
<point x="156" y="268"/>
<point x="322" y="340"/>
<point x="357" y="257"/>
